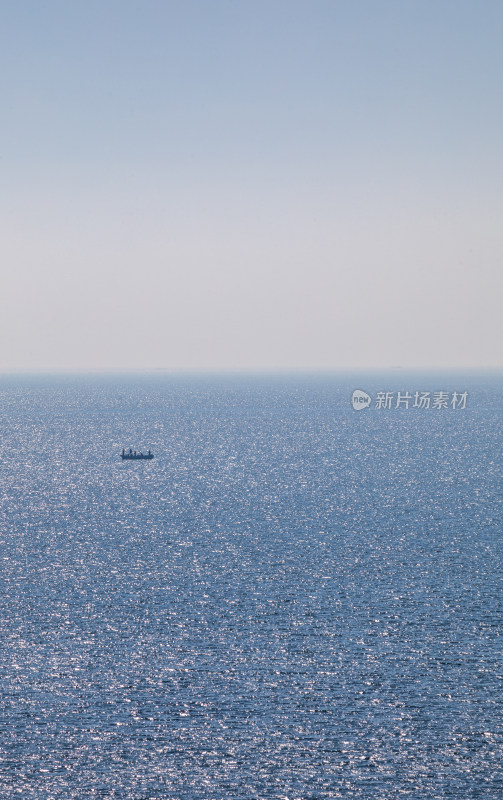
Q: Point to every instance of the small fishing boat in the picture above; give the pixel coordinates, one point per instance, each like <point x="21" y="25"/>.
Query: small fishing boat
<point x="131" y="455"/>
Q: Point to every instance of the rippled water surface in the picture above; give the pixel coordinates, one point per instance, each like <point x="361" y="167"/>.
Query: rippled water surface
<point x="294" y="600"/>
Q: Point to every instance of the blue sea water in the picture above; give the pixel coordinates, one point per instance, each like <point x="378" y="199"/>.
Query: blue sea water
<point x="293" y="600"/>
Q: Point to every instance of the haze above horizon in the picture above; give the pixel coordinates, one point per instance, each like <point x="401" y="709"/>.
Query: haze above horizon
<point x="251" y="186"/>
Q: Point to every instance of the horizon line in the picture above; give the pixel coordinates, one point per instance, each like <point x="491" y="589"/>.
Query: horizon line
<point x="251" y="371"/>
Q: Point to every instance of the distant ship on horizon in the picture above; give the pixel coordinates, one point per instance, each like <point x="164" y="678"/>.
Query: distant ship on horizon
<point x="134" y="456"/>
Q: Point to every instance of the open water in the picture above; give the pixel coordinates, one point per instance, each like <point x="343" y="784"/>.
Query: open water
<point x="293" y="600"/>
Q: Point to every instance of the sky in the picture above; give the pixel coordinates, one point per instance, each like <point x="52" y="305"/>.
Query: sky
<point x="251" y="185"/>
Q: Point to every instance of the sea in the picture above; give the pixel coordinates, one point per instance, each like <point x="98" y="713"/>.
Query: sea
<point x="298" y="598"/>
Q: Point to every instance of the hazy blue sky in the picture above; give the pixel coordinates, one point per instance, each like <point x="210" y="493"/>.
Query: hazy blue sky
<point x="225" y="184"/>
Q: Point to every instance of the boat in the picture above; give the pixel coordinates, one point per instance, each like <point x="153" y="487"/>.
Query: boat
<point x="134" y="456"/>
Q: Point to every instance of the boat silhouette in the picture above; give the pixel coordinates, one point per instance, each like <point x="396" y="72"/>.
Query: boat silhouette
<point x="134" y="456"/>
